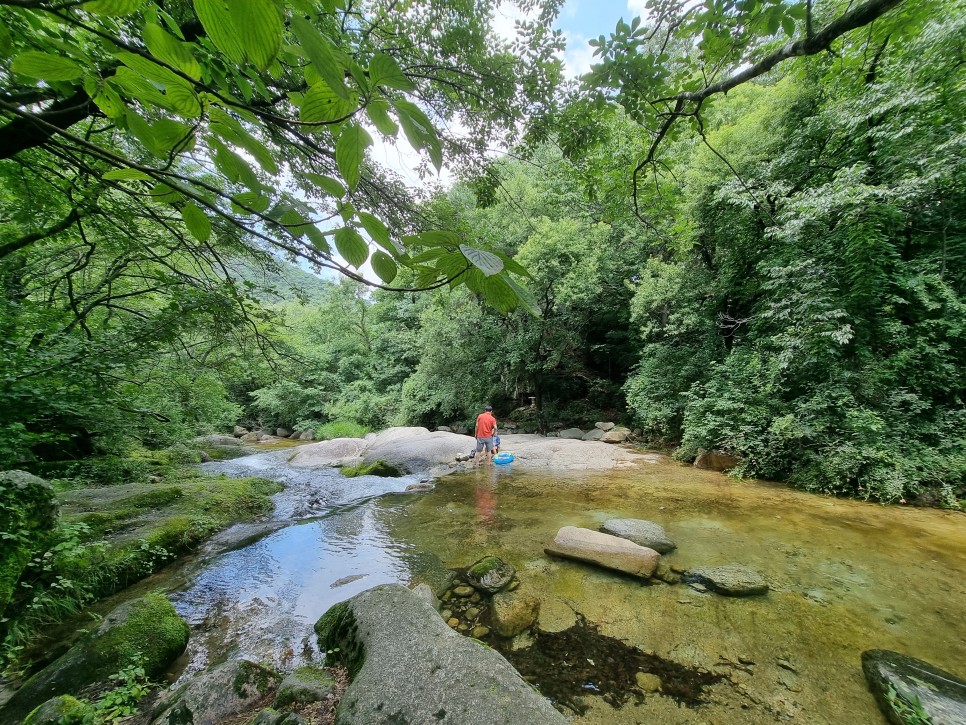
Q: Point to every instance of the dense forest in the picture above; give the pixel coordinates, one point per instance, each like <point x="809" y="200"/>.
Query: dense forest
<point x="780" y="277"/>
<point x="743" y="230"/>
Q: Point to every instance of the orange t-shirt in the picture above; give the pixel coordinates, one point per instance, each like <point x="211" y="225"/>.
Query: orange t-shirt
<point x="485" y="425"/>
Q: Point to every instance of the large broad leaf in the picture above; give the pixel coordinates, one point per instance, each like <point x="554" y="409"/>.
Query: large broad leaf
<point x="499" y="295"/>
<point x="197" y="222"/>
<point x="171" y="135"/>
<point x="250" y="202"/>
<point x="167" y="48"/>
<point x="219" y="28"/>
<point x="384" y="266"/>
<point x="6" y="42"/>
<point x="233" y="166"/>
<point x="318" y="239"/>
<point x="46" y="66"/>
<point x="378" y="112"/>
<point x="419" y="130"/>
<point x="524" y="295"/>
<point x="351" y="246"/>
<point x="330" y="186"/>
<point x="258" y="26"/>
<point x="234" y="133"/>
<point x="115" y="8"/>
<point x="321" y="104"/>
<point x="350" y="150"/>
<point x="141" y="130"/>
<point x="384" y="71"/>
<point x="376" y="229"/>
<point x="109" y="101"/>
<point x="126" y="175"/>
<point x="179" y="94"/>
<point x="324" y="56"/>
<point x="487" y="262"/>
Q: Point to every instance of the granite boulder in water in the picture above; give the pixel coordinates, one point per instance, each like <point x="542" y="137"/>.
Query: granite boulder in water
<point x="218" y="694"/>
<point x="731" y="580"/>
<point x="903" y="685"/>
<point x="641" y="532"/>
<point x="611" y="552"/>
<point x="408" y="666"/>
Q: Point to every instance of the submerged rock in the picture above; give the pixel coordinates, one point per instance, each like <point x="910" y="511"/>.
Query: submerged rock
<point x="644" y="533"/>
<point x="611" y="552"/>
<point x="216" y="695"/>
<point x="715" y="460"/>
<point x="490" y="574"/>
<point x="731" y="580"/>
<point x="513" y="612"/>
<point x="900" y="682"/>
<point x="407" y="666"/>
<point x="555" y="615"/>
<point x="146" y="630"/>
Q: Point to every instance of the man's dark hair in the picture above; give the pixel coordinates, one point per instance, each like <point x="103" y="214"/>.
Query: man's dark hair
<point x="488" y="407"/>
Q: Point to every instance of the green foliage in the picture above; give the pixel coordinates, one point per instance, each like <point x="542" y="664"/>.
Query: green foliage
<point x="340" y="429"/>
<point x="374" y="468"/>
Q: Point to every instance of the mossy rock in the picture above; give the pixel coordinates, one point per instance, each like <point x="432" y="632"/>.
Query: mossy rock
<point x="62" y="710"/>
<point x="28" y="513"/>
<point x="490" y="574"/>
<point x="374" y="468"/>
<point x="217" y="695"/>
<point x="304" y="686"/>
<point x="146" y="630"/>
<point x="335" y="631"/>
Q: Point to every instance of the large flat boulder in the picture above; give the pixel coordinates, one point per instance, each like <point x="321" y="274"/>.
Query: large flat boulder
<point x="644" y="533"/>
<point x="898" y="682"/>
<point x="408" y="666"/>
<point x="146" y="630"/>
<point x="335" y="452"/>
<point x="610" y="552"/>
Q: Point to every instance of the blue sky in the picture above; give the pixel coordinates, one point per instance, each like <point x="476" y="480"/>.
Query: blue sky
<point x="582" y="20"/>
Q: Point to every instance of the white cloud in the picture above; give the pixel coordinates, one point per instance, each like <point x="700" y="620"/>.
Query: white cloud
<point x="636" y="8"/>
<point x="578" y="57"/>
<point x="504" y="21"/>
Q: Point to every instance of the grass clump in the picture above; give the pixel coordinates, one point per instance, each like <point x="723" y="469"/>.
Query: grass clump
<point x="340" y="429"/>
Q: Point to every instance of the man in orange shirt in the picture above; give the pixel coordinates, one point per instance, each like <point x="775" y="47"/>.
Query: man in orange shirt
<point x="485" y="430"/>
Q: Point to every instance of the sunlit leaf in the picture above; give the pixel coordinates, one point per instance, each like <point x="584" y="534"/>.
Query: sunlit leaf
<point x="323" y="55"/>
<point x="219" y="28"/>
<point x="487" y="262"/>
<point x="330" y="186"/>
<point x="46" y="66"/>
<point x="384" y="266"/>
<point x="351" y="246"/>
<point x="126" y="175"/>
<point x="115" y="8"/>
<point x="384" y="71"/>
<point x="378" y="112"/>
<point x="321" y="104"/>
<point x="350" y="151"/>
<point x="258" y="27"/>
<point x="197" y="222"/>
<point x="172" y="51"/>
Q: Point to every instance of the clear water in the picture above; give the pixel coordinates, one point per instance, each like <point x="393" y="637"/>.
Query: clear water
<point x="846" y="576"/>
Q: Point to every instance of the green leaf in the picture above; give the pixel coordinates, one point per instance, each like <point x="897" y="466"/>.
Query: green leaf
<point x="418" y="129"/>
<point x="6" y="43"/>
<point x="433" y="239"/>
<point x="384" y="266"/>
<point x="788" y="25"/>
<point x="109" y="101"/>
<point x="233" y="166"/>
<point x="197" y="222"/>
<point x="487" y="262"/>
<point x="167" y="48"/>
<point x="46" y="66"/>
<point x="321" y="104"/>
<point x="164" y="194"/>
<point x="258" y="27"/>
<point x="248" y="202"/>
<point x="126" y="175"/>
<point x="378" y="112"/>
<point x="377" y="230"/>
<point x="511" y="265"/>
<point x="141" y="130"/>
<point x="330" y="186"/>
<point x="384" y="71"/>
<point x="350" y="150"/>
<point x="232" y="131"/>
<point x="324" y="57"/>
<point x="499" y="295"/>
<point x="351" y="246"/>
<point x="218" y="25"/>
<point x="179" y="93"/>
<point x="318" y="239"/>
<point x="524" y="295"/>
<point x="114" y="8"/>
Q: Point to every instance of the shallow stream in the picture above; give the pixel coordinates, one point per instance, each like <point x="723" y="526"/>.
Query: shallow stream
<point x="845" y="576"/>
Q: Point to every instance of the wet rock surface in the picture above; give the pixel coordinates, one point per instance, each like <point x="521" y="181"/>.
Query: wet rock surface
<point x="513" y="612"/>
<point x="490" y="574"/>
<point x="641" y="532"/>
<point x="214" y="696"/>
<point x="904" y="687"/>
<point x="407" y="666"/>
<point x="611" y="552"/>
<point x="731" y="580"/>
